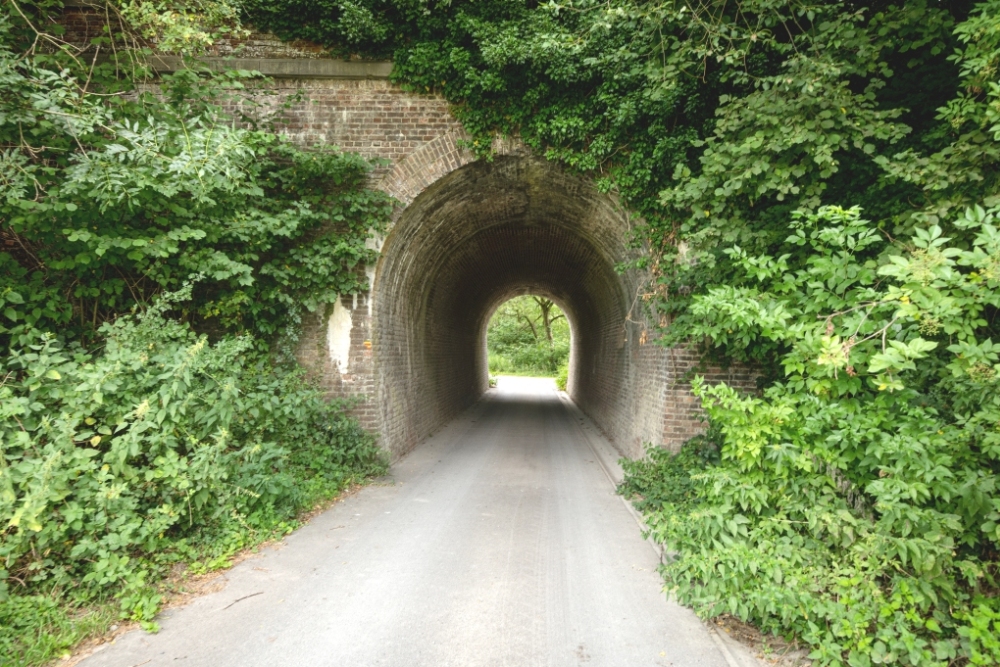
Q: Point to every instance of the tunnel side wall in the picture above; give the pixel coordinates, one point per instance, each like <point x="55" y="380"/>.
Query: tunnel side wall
<point x="652" y="404"/>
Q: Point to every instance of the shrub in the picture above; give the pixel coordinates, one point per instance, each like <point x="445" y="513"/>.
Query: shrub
<point x="539" y="359"/>
<point x="854" y="503"/>
<point x="562" y="377"/>
<point x="163" y="447"/>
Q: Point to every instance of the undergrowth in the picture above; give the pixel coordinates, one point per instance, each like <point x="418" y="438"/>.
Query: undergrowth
<point x="161" y="449"/>
<point x="172" y="242"/>
<point x="851" y="504"/>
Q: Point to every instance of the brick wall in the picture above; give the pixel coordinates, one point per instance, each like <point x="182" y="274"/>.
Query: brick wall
<point x="482" y="233"/>
<point x="368" y="116"/>
<point x="467" y="236"/>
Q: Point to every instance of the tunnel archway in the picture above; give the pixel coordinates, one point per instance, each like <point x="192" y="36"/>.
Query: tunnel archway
<point x="481" y="234"/>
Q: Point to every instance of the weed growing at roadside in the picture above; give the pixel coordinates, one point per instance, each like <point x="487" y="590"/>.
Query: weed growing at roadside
<point x="163" y="448"/>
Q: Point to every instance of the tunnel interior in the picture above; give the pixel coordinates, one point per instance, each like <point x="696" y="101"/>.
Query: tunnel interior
<point x="480" y="235"/>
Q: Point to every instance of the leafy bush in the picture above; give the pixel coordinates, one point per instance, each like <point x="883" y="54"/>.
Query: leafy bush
<point x="855" y="504"/>
<point x="129" y="443"/>
<point x="663" y="478"/>
<point x="161" y="448"/>
<point x="539" y="359"/>
<point x="125" y="197"/>
<point x="562" y="377"/>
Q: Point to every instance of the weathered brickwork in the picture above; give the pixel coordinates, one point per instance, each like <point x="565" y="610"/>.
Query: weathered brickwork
<point x="468" y="235"/>
<point x="368" y="116"/>
<point x="484" y="232"/>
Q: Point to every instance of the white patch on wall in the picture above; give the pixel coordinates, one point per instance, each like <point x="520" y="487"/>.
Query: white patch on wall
<point x="338" y="336"/>
<point x="370" y="272"/>
<point x="374" y="241"/>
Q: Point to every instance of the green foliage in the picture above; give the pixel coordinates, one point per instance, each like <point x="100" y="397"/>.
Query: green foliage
<point x="712" y="121"/>
<point x="853" y="504"/>
<point x="528" y="335"/>
<point x="562" y="377"/>
<point x="36" y="628"/>
<point x="108" y="200"/>
<point x="116" y="465"/>
<point x="182" y="26"/>
<point x="663" y="478"/>
<point x="131" y="441"/>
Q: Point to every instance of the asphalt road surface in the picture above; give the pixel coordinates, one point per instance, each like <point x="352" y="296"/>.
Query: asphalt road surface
<point x="499" y="541"/>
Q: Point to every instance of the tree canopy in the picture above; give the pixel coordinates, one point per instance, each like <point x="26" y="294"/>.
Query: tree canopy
<point x="528" y="335"/>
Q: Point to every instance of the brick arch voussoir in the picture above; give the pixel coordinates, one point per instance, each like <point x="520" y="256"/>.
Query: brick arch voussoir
<point x="435" y="160"/>
<point x="423" y="167"/>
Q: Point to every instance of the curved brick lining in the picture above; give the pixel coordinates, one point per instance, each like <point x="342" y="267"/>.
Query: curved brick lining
<point x="475" y="237"/>
<point x="420" y="169"/>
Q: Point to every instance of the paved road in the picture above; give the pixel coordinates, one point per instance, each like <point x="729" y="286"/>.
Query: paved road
<point x="500" y="541"/>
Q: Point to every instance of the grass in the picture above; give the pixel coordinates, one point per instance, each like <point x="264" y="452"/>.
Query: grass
<point x="530" y="373"/>
<point x="36" y="629"/>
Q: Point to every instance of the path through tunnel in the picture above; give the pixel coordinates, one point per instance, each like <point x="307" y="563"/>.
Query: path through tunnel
<point x="480" y="235"/>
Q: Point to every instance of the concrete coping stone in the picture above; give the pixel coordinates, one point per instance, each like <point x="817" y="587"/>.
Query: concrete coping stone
<point x="285" y="68"/>
<point x="277" y="68"/>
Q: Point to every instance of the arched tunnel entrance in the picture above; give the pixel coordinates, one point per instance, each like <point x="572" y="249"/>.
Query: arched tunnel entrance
<point x="478" y="236"/>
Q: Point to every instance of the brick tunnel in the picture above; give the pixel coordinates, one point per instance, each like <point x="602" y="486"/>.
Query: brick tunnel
<point x="411" y="354"/>
<point x="480" y="235"/>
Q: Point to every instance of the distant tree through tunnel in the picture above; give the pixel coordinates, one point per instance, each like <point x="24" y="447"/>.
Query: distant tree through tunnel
<point x="528" y="335"/>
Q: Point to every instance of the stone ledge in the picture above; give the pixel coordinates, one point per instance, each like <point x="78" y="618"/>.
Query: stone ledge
<point x="284" y="68"/>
